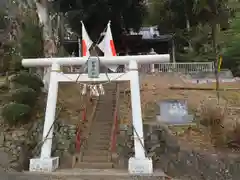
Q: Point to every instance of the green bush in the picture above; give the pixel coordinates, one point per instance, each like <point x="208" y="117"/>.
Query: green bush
<point x="24" y="96"/>
<point x="29" y="80"/>
<point x="14" y="113"/>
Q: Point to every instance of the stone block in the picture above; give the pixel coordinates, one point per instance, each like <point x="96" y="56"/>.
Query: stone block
<point x="44" y="164"/>
<point x="137" y="166"/>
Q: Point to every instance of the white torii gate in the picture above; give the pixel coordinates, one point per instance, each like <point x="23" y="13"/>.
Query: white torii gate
<point x="137" y="164"/>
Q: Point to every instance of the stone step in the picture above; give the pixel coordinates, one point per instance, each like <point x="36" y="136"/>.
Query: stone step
<point x="92" y="158"/>
<point x="98" y="141"/>
<point x="106" y="104"/>
<point x="110" y="110"/>
<point x="97" y="137"/>
<point x="109" y="104"/>
<point x="101" y="130"/>
<point x="94" y="165"/>
<point x="109" y="93"/>
<point x="110" y="97"/>
<point x="106" y="148"/>
<point x="102" y="127"/>
<point x="108" y="113"/>
<point x="102" y="135"/>
<point x="97" y="152"/>
<point x="98" y="145"/>
<point x="103" y="116"/>
<point x="106" y="128"/>
<point x="103" y="122"/>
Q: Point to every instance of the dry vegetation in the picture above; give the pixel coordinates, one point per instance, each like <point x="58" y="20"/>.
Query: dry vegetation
<point x="217" y="124"/>
<point x="72" y="103"/>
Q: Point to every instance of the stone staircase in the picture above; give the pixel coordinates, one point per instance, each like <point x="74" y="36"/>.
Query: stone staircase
<point x="96" y="153"/>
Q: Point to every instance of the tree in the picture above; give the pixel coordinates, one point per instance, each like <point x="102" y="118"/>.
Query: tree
<point x="230" y="51"/>
<point x="95" y="14"/>
<point x="190" y="21"/>
<point x="22" y="35"/>
<point x="213" y="12"/>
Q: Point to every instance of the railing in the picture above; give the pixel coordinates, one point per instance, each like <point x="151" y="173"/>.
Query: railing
<point x="113" y="142"/>
<point x="78" y="133"/>
<point x="81" y="139"/>
<point x="183" y="67"/>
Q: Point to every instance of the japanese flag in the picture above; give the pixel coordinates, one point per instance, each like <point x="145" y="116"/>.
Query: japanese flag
<point x="107" y="46"/>
<point x="86" y="42"/>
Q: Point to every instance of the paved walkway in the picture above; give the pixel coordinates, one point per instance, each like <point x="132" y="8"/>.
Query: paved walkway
<point x="76" y="174"/>
<point x="22" y="176"/>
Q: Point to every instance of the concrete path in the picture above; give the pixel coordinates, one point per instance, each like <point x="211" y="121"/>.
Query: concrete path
<point x="78" y="174"/>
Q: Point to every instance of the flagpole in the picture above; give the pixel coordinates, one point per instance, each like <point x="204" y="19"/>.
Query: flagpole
<point x="79" y="44"/>
<point x="79" y="47"/>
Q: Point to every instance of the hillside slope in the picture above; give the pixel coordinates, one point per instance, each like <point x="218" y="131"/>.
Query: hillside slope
<point x="155" y="88"/>
<point x="72" y="103"/>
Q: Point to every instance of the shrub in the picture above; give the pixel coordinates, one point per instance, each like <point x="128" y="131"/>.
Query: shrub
<point x="14" y="113"/>
<point x="213" y="116"/>
<point x="27" y="79"/>
<point x="233" y="140"/>
<point x="24" y="96"/>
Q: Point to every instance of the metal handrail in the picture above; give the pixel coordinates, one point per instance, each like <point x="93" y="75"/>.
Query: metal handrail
<point x="78" y="133"/>
<point x="115" y="123"/>
<point x="83" y="140"/>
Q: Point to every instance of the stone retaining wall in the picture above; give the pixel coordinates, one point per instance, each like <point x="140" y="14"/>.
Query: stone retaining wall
<point x="179" y="161"/>
<point x="18" y="146"/>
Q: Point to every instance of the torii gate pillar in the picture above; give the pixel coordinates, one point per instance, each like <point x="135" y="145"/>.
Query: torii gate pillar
<point x="139" y="164"/>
